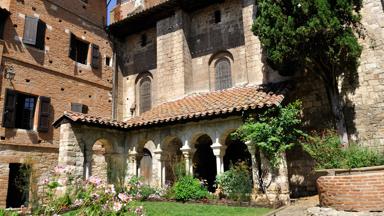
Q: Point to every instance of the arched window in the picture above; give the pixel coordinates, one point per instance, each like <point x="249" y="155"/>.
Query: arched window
<point x="145" y="95"/>
<point x="223" y="74"/>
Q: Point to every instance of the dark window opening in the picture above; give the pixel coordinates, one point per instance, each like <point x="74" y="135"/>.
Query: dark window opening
<point x="78" y="50"/>
<point x="223" y="76"/>
<point x="145" y="95"/>
<point x="34" y="32"/>
<point x="3" y="19"/>
<point x="108" y="61"/>
<point x="25" y="111"/>
<point x="144" y="40"/>
<point x="18" y="185"/>
<point x="19" y="111"/>
<point x="217" y="16"/>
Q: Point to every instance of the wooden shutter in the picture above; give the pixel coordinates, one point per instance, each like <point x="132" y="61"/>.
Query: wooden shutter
<point x="40" y="37"/>
<point x="95" y="56"/>
<point x="30" y="30"/>
<point x="145" y="95"/>
<point x="9" y="112"/>
<point x="44" y="114"/>
<point x="223" y="74"/>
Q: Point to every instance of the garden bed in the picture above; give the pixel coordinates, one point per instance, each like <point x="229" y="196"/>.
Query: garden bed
<point x="359" y="189"/>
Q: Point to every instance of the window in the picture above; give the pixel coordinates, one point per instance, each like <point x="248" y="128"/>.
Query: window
<point x="145" y="95"/>
<point x="223" y="77"/>
<point x="80" y="108"/>
<point x="78" y="50"/>
<point x="19" y="111"/>
<point x="95" y="56"/>
<point x="34" y="32"/>
<point x="144" y="40"/>
<point x="217" y="16"/>
<point x="3" y="19"/>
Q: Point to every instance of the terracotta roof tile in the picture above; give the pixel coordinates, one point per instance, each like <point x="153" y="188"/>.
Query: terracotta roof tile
<point x="195" y="107"/>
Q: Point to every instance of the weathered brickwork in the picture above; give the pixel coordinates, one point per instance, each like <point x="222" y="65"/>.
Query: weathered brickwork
<point x="51" y="73"/>
<point x="363" y="192"/>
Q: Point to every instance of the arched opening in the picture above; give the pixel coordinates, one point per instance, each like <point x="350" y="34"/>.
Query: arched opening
<point x="204" y="161"/>
<point x="172" y="159"/>
<point x="223" y="76"/>
<point x="146" y="166"/>
<point x="236" y="152"/>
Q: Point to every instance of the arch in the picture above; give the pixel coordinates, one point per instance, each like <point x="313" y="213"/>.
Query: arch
<point x="204" y="161"/>
<point x="145" y="152"/>
<point x="221" y="54"/>
<point x="172" y="158"/>
<point x="236" y="152"/>
<point x="146" y="166"/>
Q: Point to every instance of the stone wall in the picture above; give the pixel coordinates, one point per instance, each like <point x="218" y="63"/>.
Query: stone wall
<point x="50" y="72"/>
<point x="42" y="160"/>
<point x="355" y="192"/>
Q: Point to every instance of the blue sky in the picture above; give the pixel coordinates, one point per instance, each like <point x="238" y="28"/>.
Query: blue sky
<point x="110" y="6"/>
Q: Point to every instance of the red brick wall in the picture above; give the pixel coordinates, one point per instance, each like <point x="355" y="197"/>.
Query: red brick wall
<point x="363" y="192"/>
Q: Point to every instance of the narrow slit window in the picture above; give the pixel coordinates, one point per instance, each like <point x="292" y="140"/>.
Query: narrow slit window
<point x="145" y="95"/>
<point x="217" y="16"/>
<point x="144" y="40"/>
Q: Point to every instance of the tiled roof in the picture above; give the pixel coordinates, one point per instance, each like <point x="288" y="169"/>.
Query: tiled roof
<point x="195" y="107"/>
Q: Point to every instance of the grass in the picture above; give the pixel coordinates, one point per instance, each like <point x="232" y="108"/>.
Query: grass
<point x="180" y="209"/>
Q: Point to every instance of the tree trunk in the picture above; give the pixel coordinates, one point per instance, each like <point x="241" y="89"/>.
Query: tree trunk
<point x="337" y="107"/>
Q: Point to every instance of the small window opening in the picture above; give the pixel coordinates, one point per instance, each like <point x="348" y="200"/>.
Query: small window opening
<point x="18" y="185"/>
<point x="25" y="111"/>
<point x="3" y="19"/>
<point x="217" y="16"/>
<point x="108" y="61"/>
<point x="78" y="50"/>
<point x="144" y="40"/>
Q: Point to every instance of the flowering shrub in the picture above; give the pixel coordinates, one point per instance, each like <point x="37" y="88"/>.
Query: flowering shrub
<point x="141" y="191"/>
<point x="89" y="197"/>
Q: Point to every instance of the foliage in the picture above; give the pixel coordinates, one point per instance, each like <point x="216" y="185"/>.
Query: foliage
<point x="189" y="188"/>
<point x="274" y="131"/>
<point x="328" y="154"/>
<point x="89" y="197"/>
<point x="236" y="183"/>
<point x="177" y="209"/>
<point x="315" y="35"/>
<point x="4" y="212"/>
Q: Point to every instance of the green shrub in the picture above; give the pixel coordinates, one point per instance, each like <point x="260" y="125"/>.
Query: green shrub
<point x="236" y="183"/>
<point x="328" y="153"/>
<point x="189" y="188"/>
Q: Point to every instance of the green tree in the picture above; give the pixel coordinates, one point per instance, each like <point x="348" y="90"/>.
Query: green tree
<point x="320" y="36"/>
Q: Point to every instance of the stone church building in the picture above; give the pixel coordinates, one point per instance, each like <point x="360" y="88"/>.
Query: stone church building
<point x="186" y="74"/>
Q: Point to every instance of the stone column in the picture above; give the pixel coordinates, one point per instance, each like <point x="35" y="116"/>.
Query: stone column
<point x="159" y="162"/>
<point x="219" y="152"/>
<point x="188" y="154"/>
<point x="252" y="151"/>
<point x="132" y="162"/>
<point x="70" y="154"/>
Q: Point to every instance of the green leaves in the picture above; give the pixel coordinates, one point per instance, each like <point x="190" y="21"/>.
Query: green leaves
<point x="274" y="131"/>
<point x="321" y="30"/>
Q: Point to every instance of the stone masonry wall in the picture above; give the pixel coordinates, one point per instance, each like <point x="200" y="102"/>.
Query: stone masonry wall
<point x="42" y="159"/>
